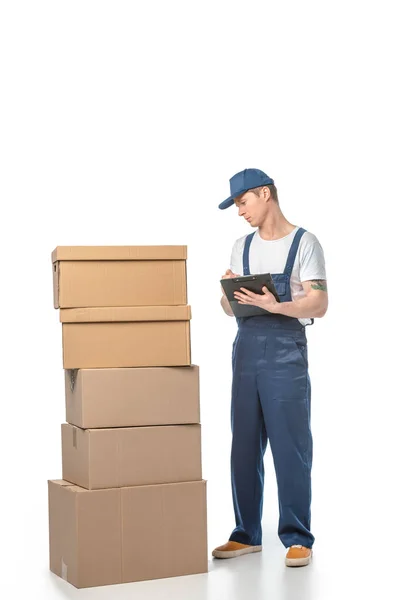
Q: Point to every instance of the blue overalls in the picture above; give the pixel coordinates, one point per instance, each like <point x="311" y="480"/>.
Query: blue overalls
<point x="271" y="396"/>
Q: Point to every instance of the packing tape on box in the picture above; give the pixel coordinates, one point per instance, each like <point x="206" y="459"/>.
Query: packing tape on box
<point x="72" y="373"/>
<point x="64" y="570"/>
<point x="74" y="437"/>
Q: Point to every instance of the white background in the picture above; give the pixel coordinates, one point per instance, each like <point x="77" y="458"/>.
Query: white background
<point x="121" y="123"/>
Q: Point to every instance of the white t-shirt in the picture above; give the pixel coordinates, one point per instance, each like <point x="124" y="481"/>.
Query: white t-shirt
<point x="270" y="256"/>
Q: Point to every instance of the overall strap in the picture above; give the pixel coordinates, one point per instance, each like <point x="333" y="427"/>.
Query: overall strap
<point x="293" y="251"/>
<point x="246" y="265"/>
<point x="292" y="255"/>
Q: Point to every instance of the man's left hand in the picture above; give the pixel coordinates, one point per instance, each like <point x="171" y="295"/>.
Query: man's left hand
<point x="266" y="300"/>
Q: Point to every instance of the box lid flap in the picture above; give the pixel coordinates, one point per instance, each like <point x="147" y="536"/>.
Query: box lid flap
<point x="72" y="487"/>
<point x="119" y="253"/>
<point x="125" y="313"/>
<point x="61" y="482"/>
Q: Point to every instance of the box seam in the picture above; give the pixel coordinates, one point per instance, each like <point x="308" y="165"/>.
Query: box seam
<point x="81" y="377"/>
<point x="121" y="525"/>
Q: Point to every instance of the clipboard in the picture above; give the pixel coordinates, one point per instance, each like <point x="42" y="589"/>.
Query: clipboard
<point x="254" y="283"/>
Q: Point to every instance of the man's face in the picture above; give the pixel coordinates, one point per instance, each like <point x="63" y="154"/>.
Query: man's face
<point x="252" y="207"/>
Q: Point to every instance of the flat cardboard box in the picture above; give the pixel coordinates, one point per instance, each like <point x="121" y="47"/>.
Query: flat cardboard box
<point x="86" y="276"/>
<point x="97" y="398"/>
<point x="141" y="336"/>
<point x="128" y="534"/>
<point x="123" y="456"/>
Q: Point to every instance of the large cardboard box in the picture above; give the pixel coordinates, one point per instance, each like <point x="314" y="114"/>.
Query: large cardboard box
<point x="105" y="458"/>
<point x="97" y="398"/>
<point x="139" y="336"/>
<point x="128" y="534"/>
<point x="85" y="276"/>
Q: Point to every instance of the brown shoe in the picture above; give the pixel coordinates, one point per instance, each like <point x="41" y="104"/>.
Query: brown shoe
<point x="298" y="556"/>
<point x="232" y="549"/>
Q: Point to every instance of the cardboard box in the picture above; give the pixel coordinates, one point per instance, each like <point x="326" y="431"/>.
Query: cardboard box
<point x="141" y="336"/>
<point x="97" y="398"/>
<point x="85" y="276"/>
<point x="128" y="534"/>
<point x="106" y="458"/>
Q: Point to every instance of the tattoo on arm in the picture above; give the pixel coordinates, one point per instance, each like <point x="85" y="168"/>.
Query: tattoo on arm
<point x="319" y="284"/>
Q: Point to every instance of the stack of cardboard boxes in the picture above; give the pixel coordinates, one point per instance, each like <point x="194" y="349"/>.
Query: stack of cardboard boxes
<point x="132" y="502"/>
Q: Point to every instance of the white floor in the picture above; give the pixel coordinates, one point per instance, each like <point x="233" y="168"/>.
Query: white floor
<point x="336" y="572"/>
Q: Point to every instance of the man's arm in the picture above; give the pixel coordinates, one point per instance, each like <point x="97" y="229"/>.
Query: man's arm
<point x="226" y="306"/>
<point x="224" y="300"/>
<point x="313" y="305"/>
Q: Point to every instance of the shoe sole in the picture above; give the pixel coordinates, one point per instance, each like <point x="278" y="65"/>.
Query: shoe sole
<point x="233" y="553"/>
<point x="298" y="562"/>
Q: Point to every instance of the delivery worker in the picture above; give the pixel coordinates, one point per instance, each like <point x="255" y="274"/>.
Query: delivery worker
<point x="271" y="388"/>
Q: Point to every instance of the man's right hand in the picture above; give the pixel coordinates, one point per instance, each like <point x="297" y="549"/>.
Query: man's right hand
<point x="228" y="275"/>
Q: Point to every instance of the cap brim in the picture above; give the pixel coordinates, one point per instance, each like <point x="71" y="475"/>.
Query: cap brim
<point x="229" y="201"/>
<point x="226" y="203"/>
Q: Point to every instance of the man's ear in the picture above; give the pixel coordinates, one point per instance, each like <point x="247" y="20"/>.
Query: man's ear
<point x="266" y="193"/>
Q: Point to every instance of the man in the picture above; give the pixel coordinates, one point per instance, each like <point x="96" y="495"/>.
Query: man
<point x="271" y="388"/>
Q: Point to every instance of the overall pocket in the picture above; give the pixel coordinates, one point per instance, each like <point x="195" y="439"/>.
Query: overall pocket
<point x="302" y="350"/>
<point x="280" y="287"/>
<point x="234" y="347"/>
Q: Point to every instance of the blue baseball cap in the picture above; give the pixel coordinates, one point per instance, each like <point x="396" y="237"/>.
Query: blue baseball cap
<point x="243" y="182"/>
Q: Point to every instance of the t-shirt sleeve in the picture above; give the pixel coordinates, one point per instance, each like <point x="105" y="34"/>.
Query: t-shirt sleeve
<point x="312" y="262"/>
<point x="236" y="264"/>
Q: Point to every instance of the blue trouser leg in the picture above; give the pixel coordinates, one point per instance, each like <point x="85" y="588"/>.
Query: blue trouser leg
<point x="271" y="392"/>
<point x="285" y="393"/>
<point x="249" y="441"/>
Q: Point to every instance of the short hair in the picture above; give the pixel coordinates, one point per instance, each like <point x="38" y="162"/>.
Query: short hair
<point x="257" y="191"/>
